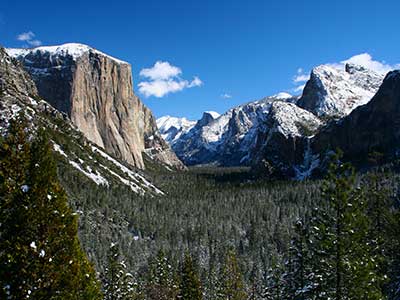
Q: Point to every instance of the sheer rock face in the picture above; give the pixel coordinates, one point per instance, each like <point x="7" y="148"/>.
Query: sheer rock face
<point x="333" y="92"/>
<point x="96" y="92"/>
<point x="372" y="128"/>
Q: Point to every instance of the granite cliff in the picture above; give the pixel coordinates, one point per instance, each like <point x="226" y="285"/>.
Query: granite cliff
<point x="95" y="91"/>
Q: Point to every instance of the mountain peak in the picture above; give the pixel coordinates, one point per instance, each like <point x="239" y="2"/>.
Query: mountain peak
<point x="75" y="50"/>
<point x="213" y="114"/>
<point x="282" y="96"/>
<point x="334" y="91"/>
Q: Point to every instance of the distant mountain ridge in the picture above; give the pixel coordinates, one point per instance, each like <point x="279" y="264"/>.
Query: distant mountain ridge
<point x="280" y="131"/>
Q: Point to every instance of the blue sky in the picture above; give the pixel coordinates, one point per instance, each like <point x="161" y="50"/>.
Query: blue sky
<point x="244" y="50"/>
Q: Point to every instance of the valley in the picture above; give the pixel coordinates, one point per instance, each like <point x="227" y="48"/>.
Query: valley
<point x="278" y="198"/>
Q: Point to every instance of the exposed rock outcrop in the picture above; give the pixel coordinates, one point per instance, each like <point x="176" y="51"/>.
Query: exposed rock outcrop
<point x="285" y="140"/>
<point x="18" y="95"/>
<point x="370" y="129"/>
<point x="333" y="92"/>
<point x="96" y="92"/>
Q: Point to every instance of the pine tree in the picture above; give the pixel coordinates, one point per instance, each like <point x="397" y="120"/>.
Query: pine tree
<point x="383" y="234"/>
<point x="161" y="283"/>
<point x="298" y="267"/>
<point x="40" y="254"/>
<point x="190" y="285"/>
<point x="344" y="267"/>
<point x="231" y="281"/>
<point x="275" y="283"/>
<point x="118" y="283"/>
<point x="256" y="284"/>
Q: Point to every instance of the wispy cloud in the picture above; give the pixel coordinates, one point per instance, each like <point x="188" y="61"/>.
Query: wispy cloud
<point x="29" y="38"/>
<point x="226" y="96"/>
<point x="299" y="80"/>
<point x="163" y="79"/>
<point x="299" y="88"/>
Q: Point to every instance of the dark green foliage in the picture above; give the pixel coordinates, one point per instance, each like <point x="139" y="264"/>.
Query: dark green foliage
<point x="339" y="254"/>
<point x="118" y="283"/>
<point x="299" y="274"/>
<point x="189" y="284"/>
<point x="209" y="211"/>
<point x="40" y="255"/>
<point x="161" y="281"/>
<point x="231" y="280"/>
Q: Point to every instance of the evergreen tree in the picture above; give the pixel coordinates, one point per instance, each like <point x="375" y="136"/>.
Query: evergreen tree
<point x="40" y="254"/>
<point x="118" y="283"/>
<point x="275" y="284"/>
<point x="256" y="284"/>
<point x="190" y="285"/>
<point x="344" y="267"/>
<point x="299" y="274"/>
<point x="161" y="283"/>
<point x="231" y="281"/>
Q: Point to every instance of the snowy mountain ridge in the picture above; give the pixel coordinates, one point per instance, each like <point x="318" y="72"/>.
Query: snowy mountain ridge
<point x="172" y="128"/>
<point x="74" y="50"/>
<point x="279" y="127"/>
<point x="335" y="91"/>
<point x="227" y="139"/>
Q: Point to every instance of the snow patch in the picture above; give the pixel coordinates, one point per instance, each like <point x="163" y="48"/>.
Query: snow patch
<point x="96" y="177"/>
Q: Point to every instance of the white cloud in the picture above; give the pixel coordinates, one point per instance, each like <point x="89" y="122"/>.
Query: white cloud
<point x="25" y="36"/>
<point x="195" y="82"/>
<point x="35" y="43"/>
<point x="299" y="88"/>
<point x="226" y="96"/>
<point x="28" y="37"/>
<point x="301" y="78"/>
<point x="163" y="78"/>
<point x="367" y="61"/>
<point x="161" y="70"/>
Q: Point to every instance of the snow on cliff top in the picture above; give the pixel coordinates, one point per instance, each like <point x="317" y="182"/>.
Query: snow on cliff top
<point x="213" y="114"/>
<point x="166" y="122"/>
<point x="342" y="89"/>
<point x="73" y="49"/>
<point x="282" y="95"/>
<point x="291" y="120"/>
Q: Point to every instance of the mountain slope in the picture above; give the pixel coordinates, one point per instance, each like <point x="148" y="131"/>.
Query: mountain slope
<point x="18" y="94"/>
<point x="232" y="138"/>
<point x="95" y="91"/>
<point x="278" y="130"/>
<point x="370" y="130"/>
<point x="333" y="92"/>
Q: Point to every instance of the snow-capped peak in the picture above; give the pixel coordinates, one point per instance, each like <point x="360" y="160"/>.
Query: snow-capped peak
<point x="75" y="50"/>
<point x="166" y="122"/>
<point x="171" y="128"/>
<point x="282" y="96"/>
<point x="336" y="90"/>
<point x="213" y="114"/>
